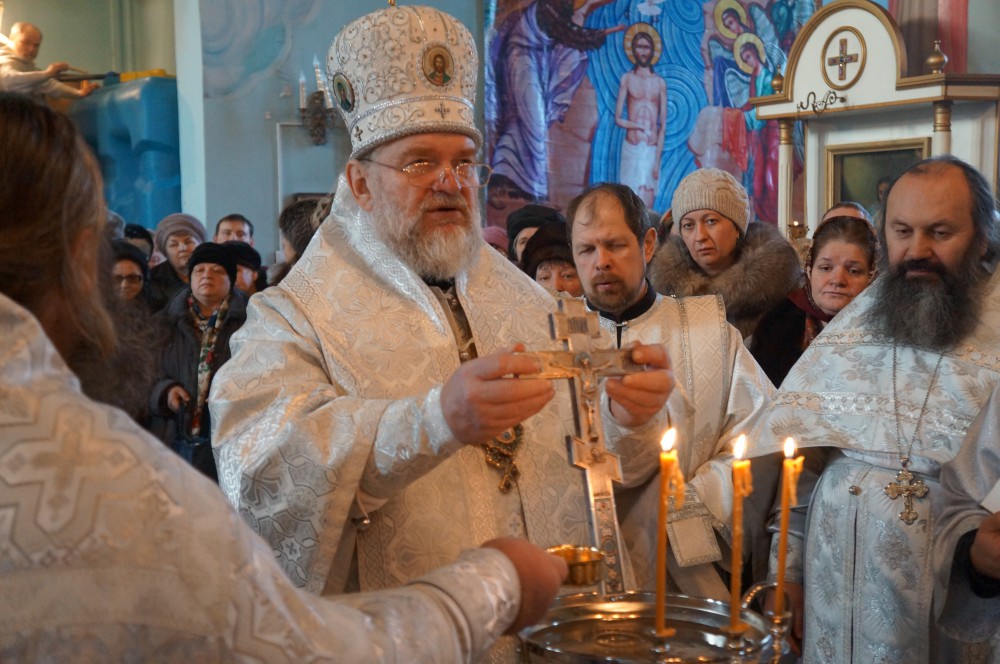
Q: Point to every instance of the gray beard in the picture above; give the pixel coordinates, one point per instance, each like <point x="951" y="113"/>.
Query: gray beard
<point x="432" y="255"/>
<point x="934" y="315"/>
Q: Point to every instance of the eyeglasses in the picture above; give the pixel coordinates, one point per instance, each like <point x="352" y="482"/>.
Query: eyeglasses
<point x="131" y="279"/>
<point x="427" y="173"/>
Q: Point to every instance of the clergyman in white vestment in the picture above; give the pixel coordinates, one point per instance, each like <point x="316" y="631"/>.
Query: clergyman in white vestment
<point x="890" y="387"/>
<point x="719" y="394"/>
<point x="366" y="425"/>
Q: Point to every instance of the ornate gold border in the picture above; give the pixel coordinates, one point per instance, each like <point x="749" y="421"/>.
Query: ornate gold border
<point x="833" y="164"/>
<point x="864" y="57"/>
<point x="787" y="93"/>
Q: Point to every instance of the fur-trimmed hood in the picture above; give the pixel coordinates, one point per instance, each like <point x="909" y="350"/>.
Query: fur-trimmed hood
<point x="766" y="272"/>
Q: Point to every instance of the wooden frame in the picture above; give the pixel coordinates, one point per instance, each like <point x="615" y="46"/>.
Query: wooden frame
<point x="853" y="170"/>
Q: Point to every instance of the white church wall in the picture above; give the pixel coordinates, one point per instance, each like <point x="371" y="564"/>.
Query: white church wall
<point x="974" y="133"/>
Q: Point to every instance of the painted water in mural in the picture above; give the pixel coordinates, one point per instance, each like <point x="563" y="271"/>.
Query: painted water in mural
<point x="634" y="91"/>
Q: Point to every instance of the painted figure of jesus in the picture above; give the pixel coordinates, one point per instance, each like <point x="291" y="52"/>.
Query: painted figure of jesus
<point x="642" y="111"/>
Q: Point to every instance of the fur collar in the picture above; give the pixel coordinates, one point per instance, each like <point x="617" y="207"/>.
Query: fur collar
<point x="766" y="272"/>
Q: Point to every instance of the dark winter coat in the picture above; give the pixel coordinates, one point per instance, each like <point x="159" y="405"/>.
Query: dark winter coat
<point x="765" y="272"/>
<point x="163" y="285"/>
<point x="180" y="344"/>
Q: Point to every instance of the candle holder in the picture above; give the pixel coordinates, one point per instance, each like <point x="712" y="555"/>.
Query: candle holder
<point x="317" y="118"/>
<point x="778" y="624"/>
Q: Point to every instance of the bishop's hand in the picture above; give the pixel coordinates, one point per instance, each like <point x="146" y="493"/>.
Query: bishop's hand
<point x="637" y="397"/>
<point x="483" y="398"/>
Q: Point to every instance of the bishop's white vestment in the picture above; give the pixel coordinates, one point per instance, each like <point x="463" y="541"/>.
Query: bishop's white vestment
<point x="329" y="431"/>
<point x="113" y="549"/>
<point x="867" y="574"/>
<point x="720" y="391"/>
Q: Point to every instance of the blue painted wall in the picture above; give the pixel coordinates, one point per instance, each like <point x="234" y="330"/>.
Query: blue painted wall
<point x="253" y="57"/>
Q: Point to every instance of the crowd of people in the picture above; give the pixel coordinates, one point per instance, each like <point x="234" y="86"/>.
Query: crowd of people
<point x="380" y="463"/>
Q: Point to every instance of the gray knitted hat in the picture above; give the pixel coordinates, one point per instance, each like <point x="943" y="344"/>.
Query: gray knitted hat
<point x="177" y="223"/>
<point x="712" y="189"/>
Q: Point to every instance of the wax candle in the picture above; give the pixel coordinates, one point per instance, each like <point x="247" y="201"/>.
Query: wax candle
<point x="321" y="84"/>
<point x="302" y="91"/>
<point x="742" y="486"/>
<point x="789" y="482"/>
<point x="671" y="484"/>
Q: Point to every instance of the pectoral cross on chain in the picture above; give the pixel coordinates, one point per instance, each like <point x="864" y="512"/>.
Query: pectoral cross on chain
<point x="907" y="487"/>
<point x="584" y="366"/>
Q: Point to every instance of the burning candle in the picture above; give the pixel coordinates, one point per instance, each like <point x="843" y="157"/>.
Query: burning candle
<point x="671" y="484"/>
<point x="789" y="482"/>
<point x="321" y="84"/>
<point x="302" y="91"/>
<point x="742" y="486"/>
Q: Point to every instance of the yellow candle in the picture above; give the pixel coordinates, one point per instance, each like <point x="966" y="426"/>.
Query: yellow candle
<point x="789" y="482"/>
<point x="742" y="486"/>
<point x="671" y="484"/>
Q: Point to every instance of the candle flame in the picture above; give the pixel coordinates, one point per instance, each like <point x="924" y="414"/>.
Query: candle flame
<point x="789" y="447"/>
<point x="740" y="446"/>
<point x="668" y="440"/>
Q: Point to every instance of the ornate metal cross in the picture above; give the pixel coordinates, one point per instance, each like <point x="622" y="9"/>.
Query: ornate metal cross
<point x="584" y="366"/>
<point x="841" y="60"/>
<point x="909" y="488"/>
<point x="442" y="110"/>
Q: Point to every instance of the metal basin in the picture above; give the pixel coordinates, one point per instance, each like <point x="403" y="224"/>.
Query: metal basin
<point x="589" y="629"/>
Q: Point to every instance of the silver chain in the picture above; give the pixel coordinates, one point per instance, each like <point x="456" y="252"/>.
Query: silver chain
<point x="904" y="457"/>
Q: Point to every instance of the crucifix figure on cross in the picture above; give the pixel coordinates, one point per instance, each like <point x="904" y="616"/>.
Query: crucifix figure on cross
<point x="584" y="367"/>
<point x="909" y="488"/>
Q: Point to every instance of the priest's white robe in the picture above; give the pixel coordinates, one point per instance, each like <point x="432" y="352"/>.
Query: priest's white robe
<point x="720" y="392"/>
<point x="329" y="411"/>
<point x="112" y="549"/>
<point x="965" y="481"/>
<point x="867" y="574"/>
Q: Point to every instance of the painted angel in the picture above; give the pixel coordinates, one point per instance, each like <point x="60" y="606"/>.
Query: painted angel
<point x="732" y="23"/>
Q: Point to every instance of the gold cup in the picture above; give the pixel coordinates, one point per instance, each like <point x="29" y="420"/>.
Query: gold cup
<point x="585" y="563"/>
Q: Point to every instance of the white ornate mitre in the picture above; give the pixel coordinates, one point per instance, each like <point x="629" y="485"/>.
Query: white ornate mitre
<point x="401" y="71"/>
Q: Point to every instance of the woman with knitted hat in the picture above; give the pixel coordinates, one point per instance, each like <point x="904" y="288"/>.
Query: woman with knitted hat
<point x="176" y="237"/>
<point x="196" y="326"/>
<point x="721" y="250"/>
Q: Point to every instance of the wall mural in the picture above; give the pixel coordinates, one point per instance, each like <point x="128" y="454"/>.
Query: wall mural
<point x="635" y="91"/>
<point x="243" y="43"/>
